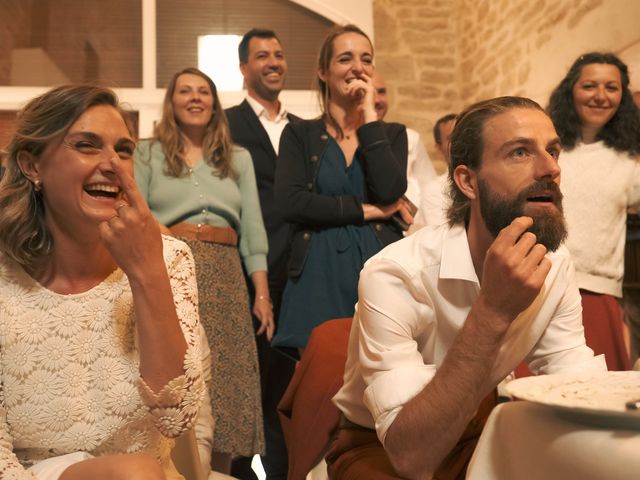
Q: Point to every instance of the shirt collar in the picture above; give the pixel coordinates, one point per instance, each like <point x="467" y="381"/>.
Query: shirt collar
<point x="456" y="260"/>
<point x="260" y="111"/>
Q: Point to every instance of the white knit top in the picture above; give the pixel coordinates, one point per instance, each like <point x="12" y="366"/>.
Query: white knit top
<point x="598" y="184"/>
<point x="69" y="367"/>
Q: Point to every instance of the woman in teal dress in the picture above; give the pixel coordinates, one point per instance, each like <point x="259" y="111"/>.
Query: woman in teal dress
<point x="339" y="180"/>
<point x="203" y="189"/>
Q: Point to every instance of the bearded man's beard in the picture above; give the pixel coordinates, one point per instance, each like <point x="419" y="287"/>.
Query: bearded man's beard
<point x="498" y="211"/>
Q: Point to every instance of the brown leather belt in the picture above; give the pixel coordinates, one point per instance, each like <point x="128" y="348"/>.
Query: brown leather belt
<point x="205" y="233"/>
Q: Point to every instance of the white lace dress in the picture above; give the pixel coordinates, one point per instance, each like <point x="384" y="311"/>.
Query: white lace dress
<point x="69" y="368"/>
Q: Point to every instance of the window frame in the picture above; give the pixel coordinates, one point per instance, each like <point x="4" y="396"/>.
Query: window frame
<point x="147" y="100"/>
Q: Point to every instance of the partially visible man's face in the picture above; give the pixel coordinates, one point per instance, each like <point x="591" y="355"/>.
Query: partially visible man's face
<point x="381" y="102"/>
<point x="446" y="129"/>
<point x="266" y="68"/>
<point x="520" y="175"/>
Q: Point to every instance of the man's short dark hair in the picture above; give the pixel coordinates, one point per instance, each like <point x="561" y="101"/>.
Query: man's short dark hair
<point x="467" y="145"/>
<point x="243" y="47"/>
<point x="436" y="128"/>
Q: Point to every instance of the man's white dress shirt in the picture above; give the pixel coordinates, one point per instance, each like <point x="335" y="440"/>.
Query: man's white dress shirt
<point x="420" y="169"/>
<point x="414" y="297"/>
<point x="273" y="127"/>
<point x="436" y="200"/>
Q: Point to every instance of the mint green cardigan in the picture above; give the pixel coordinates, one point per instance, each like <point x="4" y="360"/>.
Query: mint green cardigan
<point x="201" y="197"/>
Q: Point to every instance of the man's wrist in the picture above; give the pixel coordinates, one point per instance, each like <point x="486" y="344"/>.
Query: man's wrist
<point x="490" y="318"/>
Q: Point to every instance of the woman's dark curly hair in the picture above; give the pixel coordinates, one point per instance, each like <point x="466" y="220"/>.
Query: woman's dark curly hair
<point x="621" y="133"/>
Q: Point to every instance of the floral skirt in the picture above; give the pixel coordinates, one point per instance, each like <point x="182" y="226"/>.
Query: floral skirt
<point x="226" y="318"/>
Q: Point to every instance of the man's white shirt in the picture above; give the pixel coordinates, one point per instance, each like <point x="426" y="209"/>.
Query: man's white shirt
<point x="436" y="200"/>
<point x="420" y="169"/>
<point x="414" y="297"/>
<point x="273" y="127"/>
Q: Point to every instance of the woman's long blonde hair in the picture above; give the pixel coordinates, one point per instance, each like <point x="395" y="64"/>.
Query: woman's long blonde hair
<point x="216" y="146"/>
<point x="45" y="120"/>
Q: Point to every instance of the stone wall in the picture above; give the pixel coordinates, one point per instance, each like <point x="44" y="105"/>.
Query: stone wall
<point x="438" y="56"/>
<point x="497" y="39"/>
<point x="416" y="52"/>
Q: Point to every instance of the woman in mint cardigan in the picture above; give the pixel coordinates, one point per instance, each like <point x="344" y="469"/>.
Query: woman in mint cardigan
<point x="203" y="190"/>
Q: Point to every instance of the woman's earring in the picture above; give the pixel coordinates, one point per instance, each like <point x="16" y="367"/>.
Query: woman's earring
<point x="37" y="185"/>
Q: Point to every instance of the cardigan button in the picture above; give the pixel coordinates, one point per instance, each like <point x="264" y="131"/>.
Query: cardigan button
<point x="309" y="186"/>
<point x="314" y="158"/>
<point x="306" y="236"/>
<point x="324" y="137"/>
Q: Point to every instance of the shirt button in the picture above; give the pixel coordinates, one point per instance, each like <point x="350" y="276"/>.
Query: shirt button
<point x="201" y="196"/>
<point x="378" y="227"/>
<point x="309" y="186"/>
<point x="324" y="137"/>
<point x="196" y="183"/>
<point x="199" y="225"/>
<point x="306" y="236"/>
<point x="204" y="210"/>
<point x="314" y="158"/>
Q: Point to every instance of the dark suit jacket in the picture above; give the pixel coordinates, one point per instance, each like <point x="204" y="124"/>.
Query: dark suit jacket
<point x="248" y="132"/>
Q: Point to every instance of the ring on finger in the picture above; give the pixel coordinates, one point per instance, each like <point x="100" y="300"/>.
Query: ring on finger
<point x="119" y="207"/>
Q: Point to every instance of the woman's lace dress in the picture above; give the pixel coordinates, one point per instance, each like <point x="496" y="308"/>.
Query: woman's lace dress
<point x="69" y="370"/>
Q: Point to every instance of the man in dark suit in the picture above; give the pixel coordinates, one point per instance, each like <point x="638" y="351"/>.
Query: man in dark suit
<point x="256" y="124"/>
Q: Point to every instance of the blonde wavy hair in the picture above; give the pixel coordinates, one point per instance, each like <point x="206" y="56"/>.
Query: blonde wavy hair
<point x="45" y="120"/>
<point x="216" y="146"/>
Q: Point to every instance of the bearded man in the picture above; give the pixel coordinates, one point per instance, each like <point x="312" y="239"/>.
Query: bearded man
<point x="446" y="314"/>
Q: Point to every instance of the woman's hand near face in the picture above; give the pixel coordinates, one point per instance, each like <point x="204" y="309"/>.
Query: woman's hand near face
<point x="132" y="235"/>
<point x="362" y="90"/>
<point x="383" y="212"/>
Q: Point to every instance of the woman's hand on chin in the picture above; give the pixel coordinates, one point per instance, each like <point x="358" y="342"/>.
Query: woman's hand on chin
<point x="132" y="235"/>
<point x="362" y="91"/>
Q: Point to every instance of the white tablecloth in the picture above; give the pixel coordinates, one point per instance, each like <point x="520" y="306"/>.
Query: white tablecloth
<point x="526" y="441"/>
